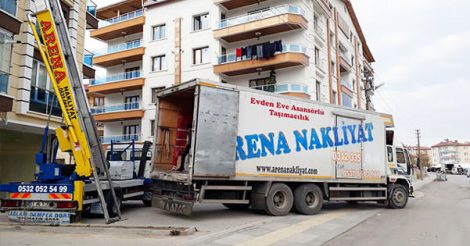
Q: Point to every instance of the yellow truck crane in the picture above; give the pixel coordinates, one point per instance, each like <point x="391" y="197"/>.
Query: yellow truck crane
<point x="60" y="193"/>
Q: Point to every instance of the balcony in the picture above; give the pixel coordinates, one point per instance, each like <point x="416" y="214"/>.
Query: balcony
<point x="91" y="20"/>
<point x="127" y="111"/>
<point x="40" y="101"/>
<point x="88" y="71"/>
<point x="297" y="90"/>
<point x="292" y="55"/>
<point x="117" y="83"/>
<point x="347" y="84"/>
<point x="233" y="4"/>
<point x="119" y="54"/>
<point x="278" y="19"/>
<point x="121" y="138"/>
<point x="344" y="63"/>
<point x="8" y="16"/>
<point x="126" y="24"/>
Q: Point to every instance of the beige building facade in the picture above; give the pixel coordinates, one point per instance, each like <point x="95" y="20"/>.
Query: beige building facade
<point x="451" y="152"/>
<point x="25" y="91"/>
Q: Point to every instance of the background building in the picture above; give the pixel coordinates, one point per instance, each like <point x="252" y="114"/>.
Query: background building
<point x="25" y="90"/>
<point x="324" y="54"/>
<point x="451" y="152"/>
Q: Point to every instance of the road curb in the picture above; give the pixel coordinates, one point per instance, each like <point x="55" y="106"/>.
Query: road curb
<point x="173" y="231"/>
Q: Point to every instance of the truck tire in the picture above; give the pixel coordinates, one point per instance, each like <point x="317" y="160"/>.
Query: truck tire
<point x="112" y="210"/>
<point x="147" y="203"/>
<point x="308" y="199"/>
<point x="279" y="200"/>
<point x="398" y="197"/>
<point x="237" y="207"/>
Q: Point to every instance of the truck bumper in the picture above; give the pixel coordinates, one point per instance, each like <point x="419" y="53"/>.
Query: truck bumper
<point x="173" y="205"/>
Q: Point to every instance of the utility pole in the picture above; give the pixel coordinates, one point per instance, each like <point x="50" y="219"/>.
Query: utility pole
<point x="418" y="159"/>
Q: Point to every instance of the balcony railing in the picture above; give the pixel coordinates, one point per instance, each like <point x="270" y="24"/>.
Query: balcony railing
<point x="286" y="48"/>
<point x="88" y="58"/>
<point x="91" y="7"/>
<point x="40" y="101"/>
<point x="121" y="138"/>
<point x="347" y="84"/>
<point x="9" y="6"/>
<point x="282" y="88"/>
<point x="345" y="57"/>
<point x="118" y="48"/>
<point x="117" y="77"/>
<point x="261" y="14"/>
<point x="122" y="18"/>
<point x="116" y="108"/>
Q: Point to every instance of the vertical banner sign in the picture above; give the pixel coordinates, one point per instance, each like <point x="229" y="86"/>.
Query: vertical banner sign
<point x="60" y="81"/>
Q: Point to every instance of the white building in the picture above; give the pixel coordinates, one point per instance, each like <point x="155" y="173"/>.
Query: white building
<point x="324" y="54"/>
<point x="451" y="152"/>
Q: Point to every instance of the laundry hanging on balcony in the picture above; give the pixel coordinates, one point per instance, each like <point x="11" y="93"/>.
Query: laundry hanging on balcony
<point x="259" y="51"/>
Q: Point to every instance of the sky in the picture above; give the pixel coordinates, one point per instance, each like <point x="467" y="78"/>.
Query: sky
<point x="422" y="53"/>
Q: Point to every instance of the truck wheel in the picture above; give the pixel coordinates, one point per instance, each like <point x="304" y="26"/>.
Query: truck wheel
<point x="112" y="210"/>
<point x="279" y="200"/>
<point x="147" y="203"/>
<point x="398" y="197"/>
<point x="237" y="207"/>
<point x="308" y="199"/>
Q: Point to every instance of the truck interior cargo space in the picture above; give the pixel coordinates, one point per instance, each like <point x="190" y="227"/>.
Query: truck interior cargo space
<point x="173" y="132"/>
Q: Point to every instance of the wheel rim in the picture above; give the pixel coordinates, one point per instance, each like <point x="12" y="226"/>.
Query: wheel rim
<point x="279" y="199"/>
<point x="310" y="200"/>
<point x="399" y="197"/>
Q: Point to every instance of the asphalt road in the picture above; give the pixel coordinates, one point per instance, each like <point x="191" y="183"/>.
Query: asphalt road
<point x="440" y="217"/>
<point x="215" y="225"/>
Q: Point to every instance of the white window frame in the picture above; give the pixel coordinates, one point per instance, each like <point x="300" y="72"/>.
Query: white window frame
<point x="162" y="66"/>
<point x="202" y="59"/>
<point x="202" y="28"/>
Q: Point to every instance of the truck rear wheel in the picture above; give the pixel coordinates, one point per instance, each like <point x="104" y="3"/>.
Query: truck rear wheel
<point x="279" y="200"/>
<point x="398" y="197"/>
<point x="308" y="199"/>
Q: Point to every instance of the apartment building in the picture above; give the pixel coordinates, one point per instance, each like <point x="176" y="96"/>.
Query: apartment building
<point x="450" y="152"/>
<point x="26" y="94"/>
<point x="313" y="49"/>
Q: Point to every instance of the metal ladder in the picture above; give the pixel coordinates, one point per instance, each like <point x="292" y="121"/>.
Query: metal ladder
<point x="87" y="122"/>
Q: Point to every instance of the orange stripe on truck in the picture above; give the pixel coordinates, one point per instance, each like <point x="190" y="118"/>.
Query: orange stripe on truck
<point x="20" y="195"/>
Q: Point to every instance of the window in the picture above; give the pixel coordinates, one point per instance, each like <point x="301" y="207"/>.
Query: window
<point x="41" y="94"/>
<point x="5" y="60"/>
<point x="317" y="56"/>
<point x="201" y="22"/>
<point x="159" y="63"/>
<point x="98" y="101"/>
<point x="133" y="72"/>
<point x="154" y="93"/>
<point x="400" y="156"/>
<point x="347" y="100"/>
<point x="131" y="102"/>
<point x="315" y="22"/>
<point x="333" y="68"/>
<point x="351" y="36"/>
<point x="159" y="32"/>
<point x="334" y="97"/>
<point x="200" y="55"/>
<point x="318" y="92"/>
<point x="389" y="154"/>
<point x="354" y="84"/>
<point x="262" y="84"/>
<point x="152" y="128"/>
<point x="352" y="60"/>
<point x="130" y="132"/>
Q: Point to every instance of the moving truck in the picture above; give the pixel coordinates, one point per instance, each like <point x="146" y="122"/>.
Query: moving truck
<point x="251" y="148"/>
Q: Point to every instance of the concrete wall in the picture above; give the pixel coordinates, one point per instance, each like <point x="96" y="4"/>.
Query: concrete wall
<point x="17" y="154"/>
